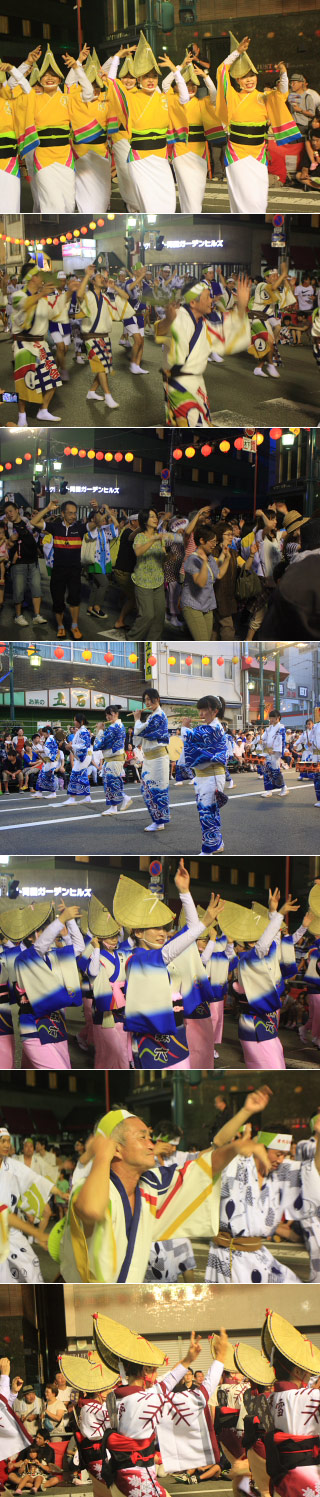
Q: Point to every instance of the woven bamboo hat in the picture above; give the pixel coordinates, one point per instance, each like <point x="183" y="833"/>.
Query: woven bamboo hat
<point x="279" y="1333"/>
<point x="314" y="905"/>
<point x="127" y="67"/>
<point x="243" y="64"/>
<point x="19" y="919"/>
<point x="49" y="61"/>
<point x="189" y="73"/>
<point x="87" y="1374"/>
<point x="100" y="922"/>
<point x="261" y="909"/>
<point x="93" y="71"/>
<point x="253" y="1364"/>
<point x="240" y="924"/>
<point x="144" y="58"/>
<point x="229" y="1363"/>
<point x="136" y="908"/>
<point x="175" y="747"/>
<point x="34" y="75"/>
<point x="114" y="1342"/>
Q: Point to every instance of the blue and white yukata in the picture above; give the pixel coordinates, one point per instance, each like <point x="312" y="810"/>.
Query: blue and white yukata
<point x="205" y="747"/>
<point x="46" y="981"/>
<point x="304" y="743"/>
<point x="153" y="738"/>
<point x="79" y="780"/>
<point x="248" y="1209"/>
<point x="316" y="758"/>
<point x="153" y="982"/>
<point x="262" y="973"/>
<point x="51" y="755"/>
<point x="274" y="742"/>
<point x="112" y="740"/>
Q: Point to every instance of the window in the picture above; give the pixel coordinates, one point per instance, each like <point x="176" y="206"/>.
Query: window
<point x="197" y="668"/>
<point x="228" y="670"/>
<point x="121" y="650"/>
<point x="46" y="31"/>
<point x="4" y="25"/>
<point x="26" y="28"/>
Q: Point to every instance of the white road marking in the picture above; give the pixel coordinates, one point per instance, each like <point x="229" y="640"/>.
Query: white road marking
<point x="141" y="810"/>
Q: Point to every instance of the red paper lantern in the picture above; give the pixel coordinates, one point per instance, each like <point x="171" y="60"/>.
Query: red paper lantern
<point x="276" y="432"/>
<point x="152" y="659"/>
<point x="100" y="456"/>
<point x="206" y="450"/>
<point x="27" y="456"/>
<point x="239" y="444"/>
<point x="108" y="657"/>
<point x="100" y="222"/>
<point x="84" y="229"/>
<point x="188" y="659"/>
<point x="118" y="457"/>
<point x="177" y="453"/>
<point x="2" y="649"/>
<point x="82" y="452"/>
<point x="249" y="659"/>
<point x="59" y="653"/>
<point x="220" y="660"/>
<point x="67" y="451"/>
<point x="69" y="236"/>
<point x="8" y="466"/>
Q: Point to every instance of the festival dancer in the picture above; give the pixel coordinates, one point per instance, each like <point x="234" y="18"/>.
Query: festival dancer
<point x="44" y="126"/>
<point x="274" y="742"/>
<point x="50" y="754"/>
<point x="194" y="334"/>
<point x="24" y="1195"/>
<point x="35" y="372"/>
<point x="117" y="1248"/>
<point x="152" y="121"/>
<point x="205" y="751"/>
<point x="247" y="115"/>
<point x="315" y="741"/>
<point x="105" y="965"/>
<point x="191" y="156"/>
<point x="153" y="737"/>
<point x="120" y="136"/>
<point x="292" y="1450"/>
<point x="81" y="754"/>
<point x="43" y="984"/>
<point x="7" y="998"/>
<point x="135" y="285"/>
<point x="111" y="740"/>
<point x="99" y="308"/>
<point x="9" y="157"/>
<point x="14" y="1439"/>
<point x="266" y="958"/>
<point x="92" y="123"/>
<point x="269" y="299"/>
<point x="303" y="746"/>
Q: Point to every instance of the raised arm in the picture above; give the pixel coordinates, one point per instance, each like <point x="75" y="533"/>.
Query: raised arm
<point x="255" y="1102"/>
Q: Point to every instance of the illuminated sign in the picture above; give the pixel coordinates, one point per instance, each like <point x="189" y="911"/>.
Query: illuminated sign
<point x="35" y="891"/>
<point x="81" y="488"/>
<point x="194" y="243"/>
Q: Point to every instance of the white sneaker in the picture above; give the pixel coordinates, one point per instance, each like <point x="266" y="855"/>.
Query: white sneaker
<point x="110" y="811"/>
<point x="80" y="359"/>
<point x="266" y="794"/>
<point x="262" y="373"/>
<point x="23" y="623"/>
<point x="38" y="794"/>
<point x="273" y="371"/>
<point x="71" y="801"/>
<point x="50" y="794"/>
<point x="22" y="419"/>
<point x="93" y="395"/>
<point x="155" y="826"/>
<point x="316" y="803"/>
<point x="125" y="803"/>
<point x="44" y="415"/>
<point x="111" y="403"/>
<point x="39" y="619"/>
<point x="229" y="784"/>
<point x="285" y="790"/>
<point x="215" y="358"/>
<point x="137" y="369"/>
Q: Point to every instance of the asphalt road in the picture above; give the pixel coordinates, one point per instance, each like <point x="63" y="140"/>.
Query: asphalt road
<point x="233" y="389"/>
<point x="288" y="825"/>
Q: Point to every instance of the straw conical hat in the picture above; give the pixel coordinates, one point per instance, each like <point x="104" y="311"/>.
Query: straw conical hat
<point x="127" y="67"/>
<point x="114" y="1341"/>
<point x="243" y="63"/>
<point x="92" y="68"/>
<point x="49" y="61"/>
<point x="144" y="58"/>
<point x="100" y="921"/>
<point x="292" y="1345"/>
<point x="314" y="905"/>
<point x="87" y="1374"/>
<point x="19" y="919"/>
<point x="175" y="747"/>
<point x="136" y="908"/>
<point x="240" y="924"/>
<point x="3" y="75"/>
<point x="229" y="1361"/>
<point x="189" y="73"/>
<point x="253" y="1364"/>
<point x="260" y="909"/>
<point x="34" y="75"/>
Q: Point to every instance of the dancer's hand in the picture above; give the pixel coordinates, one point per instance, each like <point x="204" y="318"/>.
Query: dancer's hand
<point x="70" y="61"/>
<point x="68" y="914"/>
<point x="274" y="900"/>
<point x="5" y="1366"/>
<point x="243" y="46"/>
<point x="85" y="52"/>
<point x="215" y="907"/>
<point x="280" y="67"/>
<point x="194" y="1349"/>
<point x="243" y="292"/>
<point x="221" y="1346"/>
<point x="256" y="1101"/>
<point x="182" y="878"/>
<point x="33" y="57"/>
<point x="290" y="904"/>
<point x="307" y="919"/>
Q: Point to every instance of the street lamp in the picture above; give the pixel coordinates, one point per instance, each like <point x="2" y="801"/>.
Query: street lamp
<point x="35" y="660"/>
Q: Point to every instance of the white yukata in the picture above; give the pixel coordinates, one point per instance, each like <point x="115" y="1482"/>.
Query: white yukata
<point x="153" y="738"/>
<point x="118" y="1249"/>
<point x="250" y="1210"/>
<point x="93" y="1423"/>
<point x="24" y="1191"/>
<point x="14" y="1439"/>
<point x="296" y="1412"/>
<point x="192" y="340"/>
<point x="179" y="1422"/>
<point x="304" y="745"/>
<point x="274" y="742"/>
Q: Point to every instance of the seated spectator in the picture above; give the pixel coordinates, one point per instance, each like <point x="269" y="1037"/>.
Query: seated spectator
<point x="12" y="772"/>
<point x="29" y="1408"/>
<point x="54" y="1422"/>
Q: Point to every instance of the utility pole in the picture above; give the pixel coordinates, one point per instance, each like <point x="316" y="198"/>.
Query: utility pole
<point x="277" y="683"/>
<point x="11" y="681"/>
<point x="261" y="684"/>
<point x="151" y="26"/>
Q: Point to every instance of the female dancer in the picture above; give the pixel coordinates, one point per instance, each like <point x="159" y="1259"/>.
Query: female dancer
<point x="247" y="115"/>
<point x="205" y="750"/>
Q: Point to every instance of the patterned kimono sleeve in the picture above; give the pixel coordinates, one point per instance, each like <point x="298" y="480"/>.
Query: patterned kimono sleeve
<point x="299" y="1183"/>
<point x="283" y="125"/>
<point x="181" y="330"/>
<point x="224" y="99"/>
<point x="178" y="126"/>
<point x="23" y="109"/>
<point x="34" y="1194"/>
<point x="118" y="107"/>
<point x="236" y="332"/>
<point x="188" y="1199"/>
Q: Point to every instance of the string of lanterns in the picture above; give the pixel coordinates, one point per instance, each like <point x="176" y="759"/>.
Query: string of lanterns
<point x="276" y="433"/>
<point x="62" y="238"/>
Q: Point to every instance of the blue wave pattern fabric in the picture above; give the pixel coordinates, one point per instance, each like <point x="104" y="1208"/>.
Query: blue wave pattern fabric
<point x="79" y="782"/>
<point x="45" y="780"/>
<point x="206" y="746"/>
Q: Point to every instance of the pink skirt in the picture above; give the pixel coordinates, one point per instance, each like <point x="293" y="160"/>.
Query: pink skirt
<point x="200" y="1041"/>
<point x="7" y="1052"/>
<point x="267" y="1056"/>
<point x="217" y="1021"/>
<point x="112" y="1048"/>
<point x="38" y="1057"/>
